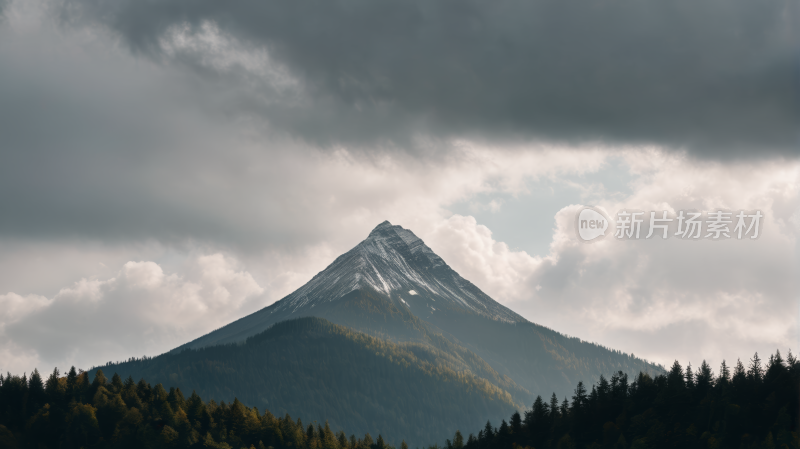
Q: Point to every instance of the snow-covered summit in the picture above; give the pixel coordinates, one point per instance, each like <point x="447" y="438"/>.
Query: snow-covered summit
<point x="393" y="260"/>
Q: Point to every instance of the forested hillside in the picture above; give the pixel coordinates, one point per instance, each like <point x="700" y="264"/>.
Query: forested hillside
<point x="69" y="412"/>
<point x="751" y="408"/>
<point x="357" y="382"/>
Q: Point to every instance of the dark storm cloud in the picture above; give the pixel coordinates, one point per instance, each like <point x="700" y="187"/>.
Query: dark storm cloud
<point x="717" y="77"/>
<point x="93" y="145"/>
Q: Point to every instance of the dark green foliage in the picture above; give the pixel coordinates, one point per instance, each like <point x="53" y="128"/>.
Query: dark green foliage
<point x="755" y="407"/>
<point x="758" y="408"/>
<point x="311" y="367"/>
<point x="161" y="420"/>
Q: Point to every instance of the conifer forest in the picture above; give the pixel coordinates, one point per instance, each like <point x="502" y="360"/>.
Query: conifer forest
<point x="749" y="405"/>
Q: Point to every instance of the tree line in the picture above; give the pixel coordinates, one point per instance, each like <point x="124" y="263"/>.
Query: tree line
<point x="69" y="412"/>
<point x="749" y="407"/>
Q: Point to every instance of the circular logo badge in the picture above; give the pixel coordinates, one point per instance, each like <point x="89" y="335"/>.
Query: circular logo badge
<point x="591" y="224"/>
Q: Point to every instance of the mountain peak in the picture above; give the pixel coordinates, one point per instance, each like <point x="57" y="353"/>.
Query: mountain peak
<point x="382" y="230"/>
<point x="384" y="225"/>
<point x="398" y="238"/>
<point x="388" y="230"/>
<point x="394" y="262"/>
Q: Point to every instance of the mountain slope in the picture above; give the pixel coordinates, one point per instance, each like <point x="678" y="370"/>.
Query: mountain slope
<point x="393" y="286"/>
<point x="314" y="369"/>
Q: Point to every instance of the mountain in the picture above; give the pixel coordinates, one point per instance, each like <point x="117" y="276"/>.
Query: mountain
<point x="414" y="296"/>
<point x="387" y="339"/>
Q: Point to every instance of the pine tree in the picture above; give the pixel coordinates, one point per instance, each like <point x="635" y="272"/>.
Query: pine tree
<point x="579" y="398"/>
<point x="100" y="380"/>
<point x="603" y="388"/>
<point x="791" y="360"/>
<point x="704" y="380"/>
<point x="755" y="371"/>
<point x="472" y="441"/>
<point x="116" y="383"/>
<point x="237" y="415"/>
<point x="593" y="399"/>
<point x="775" y="359"/>
<point x="623" y="384"/>
<point x="675" y="378"/>
<point x="342" y="439"/>
<point x="724" y="374"/>
<point x="553" y="408"/>
<point x="82" y="386"/>
<point x="739" y="374"/>
<point x="143" y="390"/>
<point x="109" y="413"/>
<point x="53" y="389"/>
<point x="310" y="434"/>
<point x="689" y="377"/>
<point x="564" y="412"/>
<point x="458" y="440"/>
<point x="83" y="429"/>
<point x="72" y="383"/>
<point x="328" y="438"/>
<point x="36" y="395"/>
<point x="23" y="392"/>
<point x="516" y="424"/>
<point x="503" y="434"/>
<point x="538" y="421"/>
<point x="739" y="382"/>
<point x="774" y="368"/>
<point x="488" y="432"/>
<point x="196" y="409"/>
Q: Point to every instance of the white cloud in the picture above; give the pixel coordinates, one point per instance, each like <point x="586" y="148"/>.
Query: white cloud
<point x="728" y="298"/>
<point x="144" y="275"/>
<point x="470" y="248"/>
<point x="13" y="306"/>
<point x="140" y="311"/>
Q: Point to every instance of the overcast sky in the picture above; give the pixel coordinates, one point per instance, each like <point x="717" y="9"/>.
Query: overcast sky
<point x="168" y="167"/>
